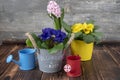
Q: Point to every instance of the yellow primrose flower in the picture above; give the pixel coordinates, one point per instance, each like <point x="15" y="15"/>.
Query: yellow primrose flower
<point x="84" y="26"/>
<point x="90" y="27"/>
<point x="86" y="31"/>
<point x="77" y="27"/>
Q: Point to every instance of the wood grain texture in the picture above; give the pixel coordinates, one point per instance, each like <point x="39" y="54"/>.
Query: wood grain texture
<point x="105" y="65"/>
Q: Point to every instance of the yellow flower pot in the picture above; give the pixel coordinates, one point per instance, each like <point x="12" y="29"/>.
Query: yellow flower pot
<point x="82" y="49"/>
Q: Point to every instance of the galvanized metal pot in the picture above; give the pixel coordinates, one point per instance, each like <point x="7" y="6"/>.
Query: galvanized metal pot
<point x="50" y="63"/>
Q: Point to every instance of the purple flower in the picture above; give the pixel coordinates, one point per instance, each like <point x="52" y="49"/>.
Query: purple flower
<point x="54" y="8"/>
<point x="56" y="35"/>
<point x="59" y="36"/>
<point x="46" y="34"/>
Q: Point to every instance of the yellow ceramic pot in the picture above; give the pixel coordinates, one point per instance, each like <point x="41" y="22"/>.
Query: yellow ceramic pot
<point x="82" y="49"/>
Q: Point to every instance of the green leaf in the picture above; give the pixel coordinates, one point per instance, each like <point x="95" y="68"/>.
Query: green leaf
<point x="88" y="38"/>
<point x="39" y="44"/>
<point x="90" y="21"/>
<point x="56" y="48"/>
<point x="44" y="45"/>
<point x="28" y="43"/>
<point x="97" y="40"/>
<point x="62" y="15"/>
<point x="97" y="34"/>
<point x="66" y="26"/>
<point x="78" y="34"/>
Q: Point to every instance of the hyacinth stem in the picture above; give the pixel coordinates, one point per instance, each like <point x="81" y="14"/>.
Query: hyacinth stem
<point x="57" y="23"/>
<point x="59" y="19"/>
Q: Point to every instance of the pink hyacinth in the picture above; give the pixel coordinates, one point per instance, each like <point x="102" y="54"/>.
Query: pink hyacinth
<point x="54" y="8"/>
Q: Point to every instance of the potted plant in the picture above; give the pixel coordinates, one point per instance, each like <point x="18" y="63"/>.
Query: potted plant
<point x="86" y="35"/>
<point x="51" y="42"/>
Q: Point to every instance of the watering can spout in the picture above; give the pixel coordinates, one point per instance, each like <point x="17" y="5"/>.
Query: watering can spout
<point x="10" y="59"/>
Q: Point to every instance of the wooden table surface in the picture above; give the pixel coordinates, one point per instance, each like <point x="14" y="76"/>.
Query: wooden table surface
<point x="105" y="65"/>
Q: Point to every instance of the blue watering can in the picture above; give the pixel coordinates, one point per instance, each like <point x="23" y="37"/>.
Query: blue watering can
<point x="26" y="59"/>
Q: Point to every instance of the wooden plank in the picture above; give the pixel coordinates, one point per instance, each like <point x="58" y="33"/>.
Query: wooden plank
<point x="61" y="75"/>
<point x="14" y="41"/>
<point x="89" y="71"/>
<point x="116" y="49"/>
<point x="114" y="54"/>
<point x="106" y="66"/>
<point x="76" y="78"/>
<point x="34" y="74"/>
<point x="97" y="50"/>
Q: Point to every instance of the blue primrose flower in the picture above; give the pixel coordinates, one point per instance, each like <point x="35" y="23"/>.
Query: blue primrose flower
<point x="59" y="36"/>
<point x="46" y="34"/>
<point x="49" y="33"/>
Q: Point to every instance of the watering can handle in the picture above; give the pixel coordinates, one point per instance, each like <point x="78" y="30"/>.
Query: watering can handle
<point x="33" y="41"/>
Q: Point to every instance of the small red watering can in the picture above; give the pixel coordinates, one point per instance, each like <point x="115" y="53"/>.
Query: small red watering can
<point x="73" y="66"/>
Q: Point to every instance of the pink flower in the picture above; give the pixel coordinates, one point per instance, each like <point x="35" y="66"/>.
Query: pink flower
<point x="54" y="8"/>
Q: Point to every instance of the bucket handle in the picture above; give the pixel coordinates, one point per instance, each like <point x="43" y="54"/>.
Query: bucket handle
<point x="68" y="43"/>
<point x="38" y="50"/>
<point x="33" y="42"/>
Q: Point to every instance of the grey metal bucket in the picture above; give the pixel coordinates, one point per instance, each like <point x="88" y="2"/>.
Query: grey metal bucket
<point x="50" y="63"/>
